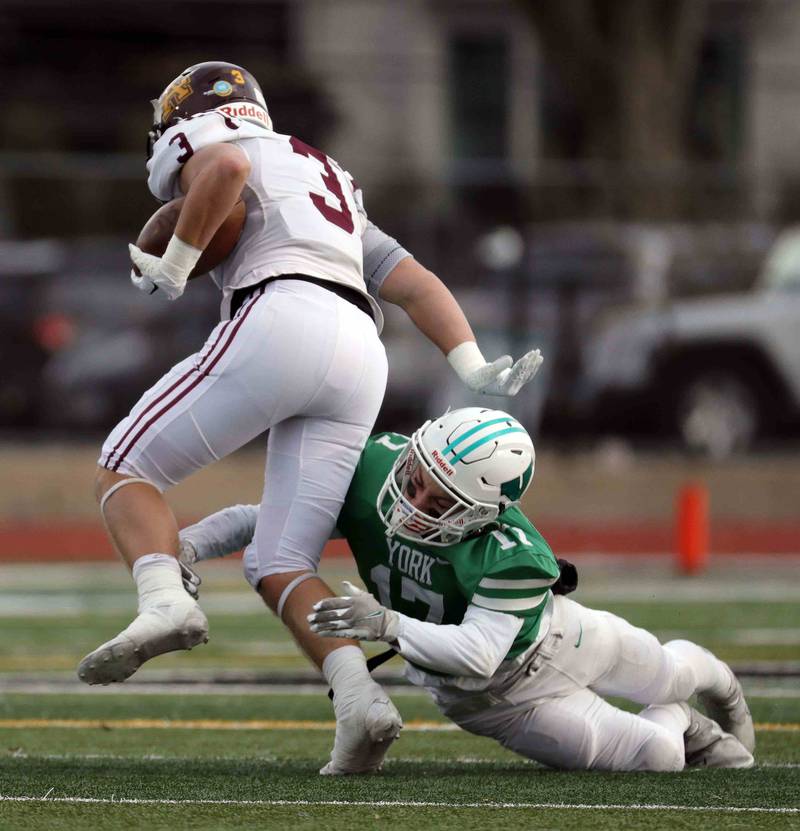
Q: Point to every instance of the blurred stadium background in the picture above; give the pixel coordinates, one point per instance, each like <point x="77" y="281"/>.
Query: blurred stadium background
<point x="616" y="182"/>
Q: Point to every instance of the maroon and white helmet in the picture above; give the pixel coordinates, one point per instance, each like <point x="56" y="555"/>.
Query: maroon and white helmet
<point x="482" y="458"/>
<point x="213" y="85"/>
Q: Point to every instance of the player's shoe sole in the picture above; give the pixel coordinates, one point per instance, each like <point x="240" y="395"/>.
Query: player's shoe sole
<point x="731" y="712"/>
<point x="162" y="629"/>
<point x="364" y="734"/>
<point x="707" y="745"/>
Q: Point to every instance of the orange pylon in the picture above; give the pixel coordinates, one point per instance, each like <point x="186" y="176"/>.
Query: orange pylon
<point x="692" y="528"/>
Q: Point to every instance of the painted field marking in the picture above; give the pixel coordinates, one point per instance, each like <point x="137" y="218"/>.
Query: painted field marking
<point x="401" y="804"/>
<point x="772" y="727"/>
<point x="418" y="726"/>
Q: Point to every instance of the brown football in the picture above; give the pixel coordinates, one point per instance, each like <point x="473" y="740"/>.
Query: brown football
<point x="158" y="230"/>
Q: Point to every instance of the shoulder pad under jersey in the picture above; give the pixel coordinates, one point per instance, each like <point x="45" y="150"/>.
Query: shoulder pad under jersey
<point x="181" y="141"/>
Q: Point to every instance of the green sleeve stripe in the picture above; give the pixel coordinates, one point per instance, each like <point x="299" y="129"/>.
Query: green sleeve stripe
<point x="499" y="604"/>
<point x="492" y="583"/>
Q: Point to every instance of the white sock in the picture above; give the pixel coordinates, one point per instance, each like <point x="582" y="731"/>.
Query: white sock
<point x="345" y="668"/>
<point x="158" y="580"/>
<point x="711" y="674"/>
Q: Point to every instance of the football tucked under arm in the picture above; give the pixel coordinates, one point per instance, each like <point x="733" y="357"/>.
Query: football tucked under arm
<point x="158" y="230"/>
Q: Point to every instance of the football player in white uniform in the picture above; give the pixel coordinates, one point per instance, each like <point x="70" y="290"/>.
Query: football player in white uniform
<point x="472" y="597"/>
<point x="297" y="353"/>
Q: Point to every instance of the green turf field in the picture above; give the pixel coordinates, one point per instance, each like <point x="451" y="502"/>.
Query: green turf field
<point x="204" y="741"/>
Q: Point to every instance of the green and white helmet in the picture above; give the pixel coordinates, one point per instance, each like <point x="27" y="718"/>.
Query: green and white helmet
<point x="482" y="458"/>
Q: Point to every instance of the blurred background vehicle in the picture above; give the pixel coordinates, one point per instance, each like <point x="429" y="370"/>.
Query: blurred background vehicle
<point x="560" y="165"/>
<point x="625" y="357"/>
<point x="718" y="372"/>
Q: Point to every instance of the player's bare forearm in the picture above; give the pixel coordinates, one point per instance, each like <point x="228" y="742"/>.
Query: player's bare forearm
<point x="437" y="314"/>
<point x="429" y="304"/>
<point x="212" y="181"/>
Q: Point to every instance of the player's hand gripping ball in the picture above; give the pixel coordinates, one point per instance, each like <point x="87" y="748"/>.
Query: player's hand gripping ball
<point x="158" y="230"/>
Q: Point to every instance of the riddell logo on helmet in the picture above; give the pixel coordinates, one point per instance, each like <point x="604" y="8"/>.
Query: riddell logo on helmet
<point x="245" y="110"/>
<point x="440" y="462"/>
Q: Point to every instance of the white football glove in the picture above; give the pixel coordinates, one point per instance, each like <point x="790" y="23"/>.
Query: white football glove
<point x="187" y="557"/>
<point x="191" y="580"/>
<point x="501" y="377"/>
<point x="170" y="272"/>
<point x="143" y="283"/>
<point x="510" y="381"/>
<point x="357" y="615"/>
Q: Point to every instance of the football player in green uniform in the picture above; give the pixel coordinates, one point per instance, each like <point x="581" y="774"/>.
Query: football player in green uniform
<point x="465" y="588"/>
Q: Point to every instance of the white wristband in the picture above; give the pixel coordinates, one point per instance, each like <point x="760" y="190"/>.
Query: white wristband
<point x="179" y="259"/>
<point x="465" y="359"/>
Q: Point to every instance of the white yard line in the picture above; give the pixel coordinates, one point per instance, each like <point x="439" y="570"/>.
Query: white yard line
<point x="772" y="692"/>
<point x="765" y="637"/>
<point x="260" y="803"/>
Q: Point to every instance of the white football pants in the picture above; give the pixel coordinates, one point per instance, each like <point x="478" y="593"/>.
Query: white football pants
<point x="297" y="360"/>
<point x="551" y="710"/>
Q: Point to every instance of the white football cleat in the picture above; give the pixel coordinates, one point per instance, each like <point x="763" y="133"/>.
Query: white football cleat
<point x="709" y="746"/>
<point x="366" y="726"/>
<point x="162" y="628"/>
<point x="731" y="712"/>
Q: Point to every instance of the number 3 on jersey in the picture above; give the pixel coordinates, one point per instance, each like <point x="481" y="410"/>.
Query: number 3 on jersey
<point x="341" y="216"/>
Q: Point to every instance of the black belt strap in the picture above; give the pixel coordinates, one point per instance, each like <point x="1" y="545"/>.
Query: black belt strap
<point x="345" y="292"/>
<point x="374" y="662"/>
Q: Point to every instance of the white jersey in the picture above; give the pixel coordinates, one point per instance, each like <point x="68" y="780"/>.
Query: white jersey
<point x="304" y="215"/>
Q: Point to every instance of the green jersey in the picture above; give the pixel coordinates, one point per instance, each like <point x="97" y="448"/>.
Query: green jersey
<point x="507" y="568"/>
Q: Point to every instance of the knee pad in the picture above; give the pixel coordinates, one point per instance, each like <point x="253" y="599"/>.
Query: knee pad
<point x="256" y="567"/>
<point x="254" y="576"/>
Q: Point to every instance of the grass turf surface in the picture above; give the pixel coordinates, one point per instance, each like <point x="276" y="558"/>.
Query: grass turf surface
<point x="456" y="776"/>
<point x="234" y="778"/>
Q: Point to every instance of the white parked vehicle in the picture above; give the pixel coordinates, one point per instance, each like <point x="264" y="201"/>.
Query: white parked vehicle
<point x="718" y="372"/>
